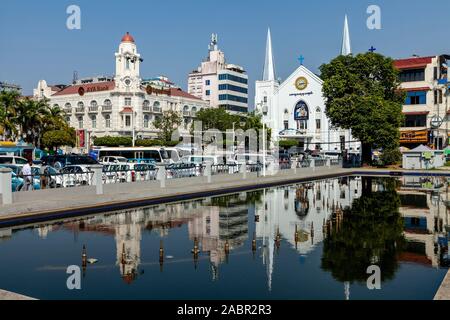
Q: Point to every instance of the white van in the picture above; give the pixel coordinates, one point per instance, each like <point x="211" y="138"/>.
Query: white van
<point x="18" y="161"/>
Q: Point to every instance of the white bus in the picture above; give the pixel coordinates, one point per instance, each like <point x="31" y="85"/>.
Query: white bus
<point x="139" y="154"/>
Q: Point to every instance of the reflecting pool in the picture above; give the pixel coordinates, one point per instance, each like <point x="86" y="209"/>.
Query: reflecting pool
<point x="308" y="241"/>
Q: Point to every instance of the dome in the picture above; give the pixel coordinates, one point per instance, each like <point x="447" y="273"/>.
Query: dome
<point x="127" y="38"/>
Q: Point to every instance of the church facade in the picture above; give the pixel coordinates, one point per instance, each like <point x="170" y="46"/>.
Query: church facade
<point x="295" y="109"/>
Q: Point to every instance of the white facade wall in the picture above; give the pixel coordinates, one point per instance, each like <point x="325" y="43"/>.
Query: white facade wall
<point x="277" y="103"/>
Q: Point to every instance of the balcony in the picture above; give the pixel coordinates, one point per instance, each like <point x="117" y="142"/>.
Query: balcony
<point x="93" y="109"/>
<point x="68" y="110"/>
<point x="157" y="109"/>
<point x="146" y="109"/>
<point x="106" y="108"/>
<point x="79" y="110"/>
<point x="186" y="113"/>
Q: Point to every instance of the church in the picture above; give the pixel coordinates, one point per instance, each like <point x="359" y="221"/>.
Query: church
<point x="295" y="109"/>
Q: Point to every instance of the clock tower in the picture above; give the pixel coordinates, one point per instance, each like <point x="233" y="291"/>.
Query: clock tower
<point x="127" y="65"/>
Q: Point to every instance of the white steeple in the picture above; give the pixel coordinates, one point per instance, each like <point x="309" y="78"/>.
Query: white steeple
<point x="346" y="46"/>
<point x="269" y="69"/>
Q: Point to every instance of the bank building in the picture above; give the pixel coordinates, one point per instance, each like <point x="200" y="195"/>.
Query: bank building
<point x="295" y="109"/>
<point x="122" y="105"/>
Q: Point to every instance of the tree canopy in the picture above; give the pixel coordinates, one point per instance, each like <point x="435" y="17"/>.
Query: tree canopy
<point x="167" y="124"/>
<point x="29" y="119"/>
<point x="362" y="94"/>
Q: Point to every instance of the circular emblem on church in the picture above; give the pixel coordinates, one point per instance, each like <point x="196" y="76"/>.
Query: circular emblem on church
<point x="81" y="91"/>
<point x="301" y="83"/>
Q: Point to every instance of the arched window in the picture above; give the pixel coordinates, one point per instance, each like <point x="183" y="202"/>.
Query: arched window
<point x="93" y="104"/>
<point x="107" y="121"/>
<point x="186" y="108"/>
<point x="68" y="106"/>
<point x="194" y="111"/>
<point x="146" y="103"/>
<point x="146" y="120"/>
<point x="68" y="120"/>
<point x="156" y="104"/>
<point x="56" y="106"/>
<point x="107" y="103"/>
<point x="80" y="105"/>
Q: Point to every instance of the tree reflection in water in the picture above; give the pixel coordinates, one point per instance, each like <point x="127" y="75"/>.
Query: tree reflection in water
<point x="369" y="233"/>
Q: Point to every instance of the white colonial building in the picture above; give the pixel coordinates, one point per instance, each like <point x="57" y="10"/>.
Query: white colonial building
<point x="123" y="105"/>
<point x="295" y="108"/>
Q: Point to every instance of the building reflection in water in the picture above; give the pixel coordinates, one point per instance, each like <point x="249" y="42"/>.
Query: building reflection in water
<point x="334" y="213"/>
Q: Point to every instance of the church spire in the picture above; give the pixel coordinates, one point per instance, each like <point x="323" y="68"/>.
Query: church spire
<point x="346" y="46"/>
<point x="269" y="69"/>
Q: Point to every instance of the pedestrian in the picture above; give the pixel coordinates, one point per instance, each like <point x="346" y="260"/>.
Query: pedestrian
<point x="43" y="172"/>
<point x="27" y="176"/>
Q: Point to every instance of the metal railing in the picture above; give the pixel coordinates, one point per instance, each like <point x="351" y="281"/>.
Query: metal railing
<point x="106" y="108"/>
<point x="119" y="174"/>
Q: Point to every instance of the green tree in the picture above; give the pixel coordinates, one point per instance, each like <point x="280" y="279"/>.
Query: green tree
<point x="362" y="94"/>
<point x="371" y="233"/>
<point x="167" y="124"/>
<point x="9" y="100"/>
<point x="56" y="138"/>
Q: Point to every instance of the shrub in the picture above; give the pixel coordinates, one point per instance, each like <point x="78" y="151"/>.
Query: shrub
<point x="288" y="143"/>
<point x="109" y="141"/>
<point x="390" y="156"/>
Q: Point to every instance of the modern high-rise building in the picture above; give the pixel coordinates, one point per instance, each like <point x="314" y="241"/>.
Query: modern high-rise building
<point x="221" y="84"/>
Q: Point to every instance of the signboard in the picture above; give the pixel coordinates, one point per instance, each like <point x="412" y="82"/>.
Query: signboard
<point x="81" y="139"/>
<point x="301" y="111"/>
<point x="419" y="136"/>
<point x="151" y="90"/>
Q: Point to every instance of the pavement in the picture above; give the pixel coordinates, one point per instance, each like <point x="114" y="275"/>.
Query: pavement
<point x="6" y="295"/>
<point x="444" y="290"/>
<point x="53" y="204"/>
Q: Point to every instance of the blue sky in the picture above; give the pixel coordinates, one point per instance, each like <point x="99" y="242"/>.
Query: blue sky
<point x="172" y="36"/>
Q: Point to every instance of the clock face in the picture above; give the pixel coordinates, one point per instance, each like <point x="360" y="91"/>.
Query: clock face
<point x="301" y="83"/>
<point x="127" y="82"/>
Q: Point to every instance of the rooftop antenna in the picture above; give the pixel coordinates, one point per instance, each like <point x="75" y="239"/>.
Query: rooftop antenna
<point x="75" y="77"/>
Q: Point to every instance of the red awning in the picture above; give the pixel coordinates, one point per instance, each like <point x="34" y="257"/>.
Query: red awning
<point x="127" y="110"/>
<point x="416" y="113"/>
<point x="416" y="89"/>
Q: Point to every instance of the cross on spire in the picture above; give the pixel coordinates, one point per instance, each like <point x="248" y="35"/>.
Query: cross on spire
<point x="301" y="59"/>
<point x="372" y="49"/>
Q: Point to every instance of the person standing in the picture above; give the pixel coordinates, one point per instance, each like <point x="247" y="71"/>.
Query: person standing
<point x="43" y="171"/>
<point x="27" y="176"/>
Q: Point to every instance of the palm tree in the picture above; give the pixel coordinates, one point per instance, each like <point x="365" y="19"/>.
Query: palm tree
<point x="9" y="101"/>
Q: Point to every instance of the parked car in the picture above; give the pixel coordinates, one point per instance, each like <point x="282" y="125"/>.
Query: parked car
<point x="17" y="182"/>
<point x="13" y="160"/>
<point x="142" y="171"/>
<point x="60" y="161"/>
<point x="76" y="175"/>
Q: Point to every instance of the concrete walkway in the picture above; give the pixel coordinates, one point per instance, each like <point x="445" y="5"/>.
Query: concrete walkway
<point x="51" y="204"/>
<point x="444" y="290"/>
<point x="6" y="295"/>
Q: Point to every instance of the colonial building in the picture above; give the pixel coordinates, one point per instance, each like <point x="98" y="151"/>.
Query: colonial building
<point x="123" y="105"/>
<point x="295" y="108"/>
<point x="221" y="84"/>
<point x="426" y="109"/>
